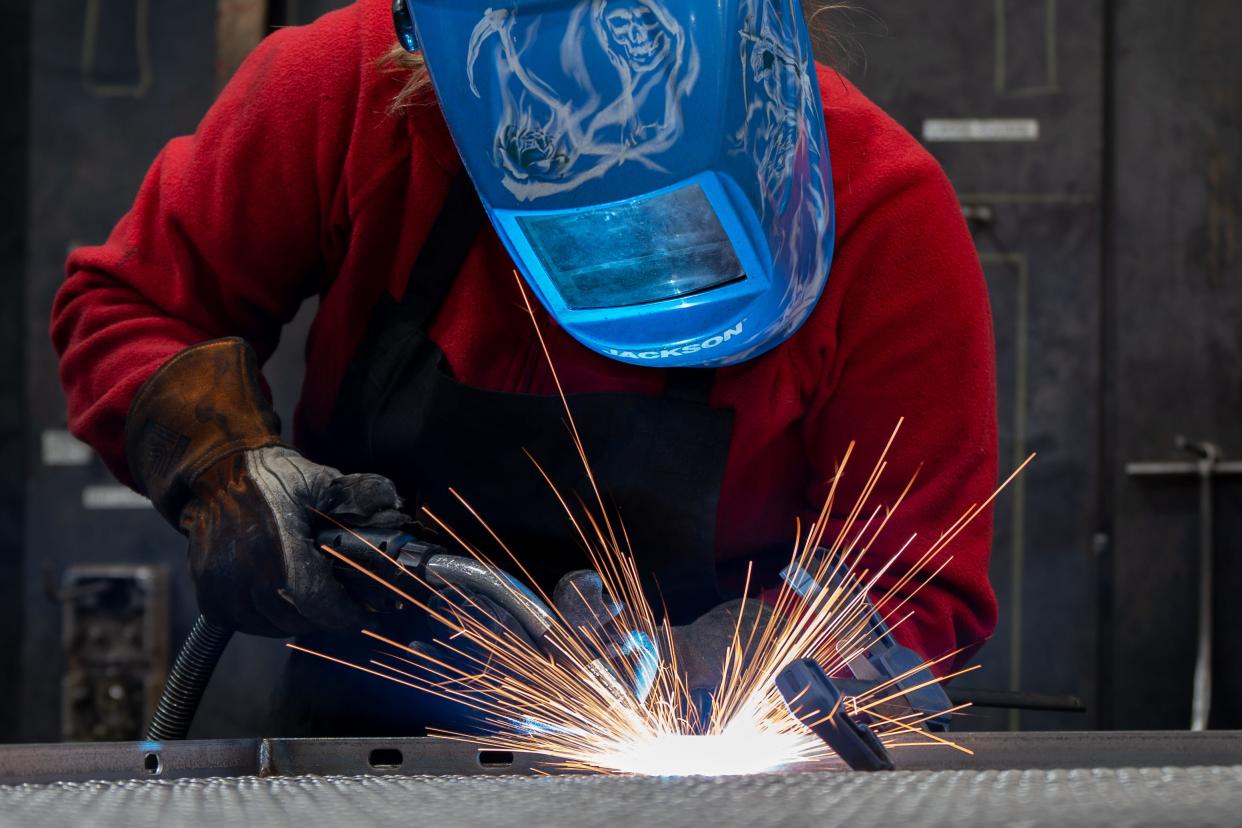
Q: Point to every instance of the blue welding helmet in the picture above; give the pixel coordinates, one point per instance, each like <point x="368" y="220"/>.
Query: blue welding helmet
<point x="658" y="169"/>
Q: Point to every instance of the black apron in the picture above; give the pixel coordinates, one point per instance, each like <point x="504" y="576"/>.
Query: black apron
<point x="659" y="462"/>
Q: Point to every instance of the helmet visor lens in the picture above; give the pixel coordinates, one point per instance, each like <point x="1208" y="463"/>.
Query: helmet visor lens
<point x="648" y="249"/>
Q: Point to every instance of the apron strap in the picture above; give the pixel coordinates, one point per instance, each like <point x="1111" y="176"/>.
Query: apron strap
<point x="692" y="385"/>
<point x="443" y="254"/>
<point x="396" y="330"/>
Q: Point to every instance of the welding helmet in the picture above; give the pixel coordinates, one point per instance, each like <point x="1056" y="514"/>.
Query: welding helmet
<point x="658" y="169"/>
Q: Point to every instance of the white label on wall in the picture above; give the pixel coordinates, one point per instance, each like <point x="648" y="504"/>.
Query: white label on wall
<point x="60" y="448"/>
<point x="941" y="130"/>
<point x="113" y="497"/>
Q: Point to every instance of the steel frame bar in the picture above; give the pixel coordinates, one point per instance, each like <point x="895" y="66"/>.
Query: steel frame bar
<point x="41" y="764"/>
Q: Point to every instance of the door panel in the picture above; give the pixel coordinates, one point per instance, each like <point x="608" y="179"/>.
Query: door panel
<point x="1036" y="67"/>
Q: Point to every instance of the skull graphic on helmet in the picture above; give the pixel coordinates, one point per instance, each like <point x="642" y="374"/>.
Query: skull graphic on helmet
<point x="562" y="123"/>
<point x="636" y="34"/>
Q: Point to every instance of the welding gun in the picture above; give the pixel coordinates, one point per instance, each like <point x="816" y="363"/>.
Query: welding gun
<point x="392" y="554"/>
<point x="387" y="554"/>
<point x="579" y="597"/>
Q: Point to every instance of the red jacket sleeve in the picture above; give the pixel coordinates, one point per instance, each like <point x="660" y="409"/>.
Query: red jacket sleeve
<point x="226" y="236"/>
<point x="913" y="339"/>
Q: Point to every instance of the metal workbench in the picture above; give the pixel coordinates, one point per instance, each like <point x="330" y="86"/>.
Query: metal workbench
<point x="1114" y="779"/>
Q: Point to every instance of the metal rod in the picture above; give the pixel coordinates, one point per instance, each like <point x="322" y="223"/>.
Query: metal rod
<point x="1017" y="700"/>
<point x="1201" y="705"/>
<point x="1188" y="468"/>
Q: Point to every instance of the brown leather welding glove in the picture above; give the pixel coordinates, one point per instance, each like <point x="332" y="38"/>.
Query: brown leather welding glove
<point x="203" y="442"/>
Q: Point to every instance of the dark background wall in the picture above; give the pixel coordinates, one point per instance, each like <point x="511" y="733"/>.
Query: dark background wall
<point x="14" y="89"/>
<point x="1174" y="336"/>
<point x="1110" y="243"/>
<point x="1038" y="214"/>
<point x="112" y="81"/>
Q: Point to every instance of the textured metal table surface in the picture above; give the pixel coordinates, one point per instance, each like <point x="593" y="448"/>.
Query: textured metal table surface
<point x="1206" y="796"/>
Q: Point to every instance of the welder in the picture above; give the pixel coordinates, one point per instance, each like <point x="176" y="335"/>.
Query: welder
<point x="739" y="264"/>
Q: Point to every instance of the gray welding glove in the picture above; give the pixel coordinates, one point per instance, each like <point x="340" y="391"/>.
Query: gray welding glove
<point x="203" y="442"/>
<point x="700" y="646"/>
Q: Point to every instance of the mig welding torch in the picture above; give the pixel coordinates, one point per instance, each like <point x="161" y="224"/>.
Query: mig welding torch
<point x="385" y="554"/>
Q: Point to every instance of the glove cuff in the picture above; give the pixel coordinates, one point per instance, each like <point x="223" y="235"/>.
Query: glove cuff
<point x="204" y="404"/>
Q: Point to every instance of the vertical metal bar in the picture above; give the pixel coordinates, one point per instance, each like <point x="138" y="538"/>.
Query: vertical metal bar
<point x="1201" y="704"/>
<point x="1021" y="267"/>
<point x="1052" y="37"/>
<point x="1109" y="377"/>
<point x="1017" y="573"/>
<point x="240" y="25"/>
<point x="1000" y="35"/>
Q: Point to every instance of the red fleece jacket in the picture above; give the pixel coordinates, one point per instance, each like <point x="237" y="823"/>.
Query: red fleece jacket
<point x="298" y="183"/>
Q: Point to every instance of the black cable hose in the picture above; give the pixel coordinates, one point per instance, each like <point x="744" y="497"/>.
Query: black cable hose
<point x="187" y="680"/>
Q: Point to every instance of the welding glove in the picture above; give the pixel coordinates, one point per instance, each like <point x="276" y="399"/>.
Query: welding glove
<point x="700" y="647"/>
<point x="203" y="442"/>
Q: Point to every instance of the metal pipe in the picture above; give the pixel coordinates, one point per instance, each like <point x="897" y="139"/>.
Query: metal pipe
<point x="1201" y="704"/>
<point x="1011" y="700"/>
